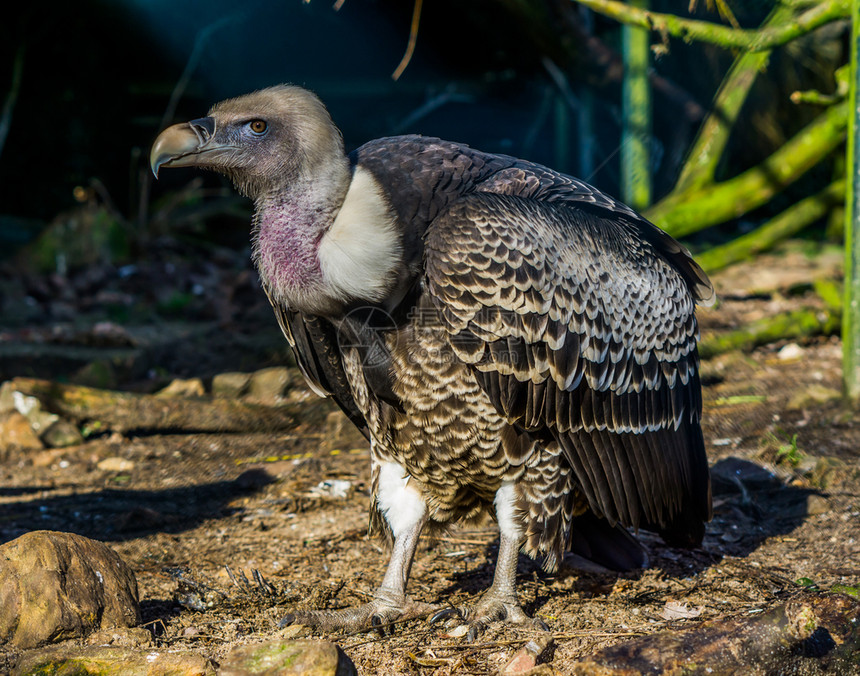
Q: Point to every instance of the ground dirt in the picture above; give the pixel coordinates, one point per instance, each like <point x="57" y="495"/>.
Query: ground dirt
<point x="294" y="507"/>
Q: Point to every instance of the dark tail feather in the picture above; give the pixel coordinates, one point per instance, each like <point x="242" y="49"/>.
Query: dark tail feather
<point x="610" y="546"/>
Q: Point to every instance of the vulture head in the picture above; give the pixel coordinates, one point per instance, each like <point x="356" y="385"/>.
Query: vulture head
<point x="267" y="142"/>
<point x="314" y="217"/>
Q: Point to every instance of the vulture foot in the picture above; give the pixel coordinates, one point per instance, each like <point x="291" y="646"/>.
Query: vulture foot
<point x="493" y="607"/>
<point x="380" y="612"/>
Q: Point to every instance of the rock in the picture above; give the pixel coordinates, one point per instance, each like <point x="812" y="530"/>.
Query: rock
<point x="816" y="504"/>
<point x="7" y="399"/>
<point x="61" y="435"/>
<point x="828" y="471"/>
<point x="268" y="386"/>
<point x="531" y="659"/>
<point x="127" y="637"/>
<point x="30" y="407"/>
<point x="82" y="661"/>
<point x="332" y="488"/>
<point x="116" y="464"/>
<point x="55" y="586"/>
<point x="791" y="352"/>
<point x="310" y="657"/>
<point x="192" y="387"/>
<point x="230" y="385"/>
<point x="16" y="432"/>
<point x="47" y="458"/>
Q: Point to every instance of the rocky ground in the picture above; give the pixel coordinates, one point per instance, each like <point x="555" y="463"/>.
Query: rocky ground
<point x="199" y="513"/>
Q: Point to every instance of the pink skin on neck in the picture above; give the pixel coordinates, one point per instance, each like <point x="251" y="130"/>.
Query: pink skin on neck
<point x="288" y="241"/>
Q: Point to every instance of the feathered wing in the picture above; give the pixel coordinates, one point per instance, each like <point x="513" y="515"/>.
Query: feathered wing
<point x="315" y="346"/>
<point x="577" y="324"/>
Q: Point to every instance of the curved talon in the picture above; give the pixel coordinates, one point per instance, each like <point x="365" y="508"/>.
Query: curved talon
<point x="286" y="620"/>
<point x="540" y="624"/>
<point x="377" y="623"/>
<point x="445" y="614"/>
<point x="474" y="631"/>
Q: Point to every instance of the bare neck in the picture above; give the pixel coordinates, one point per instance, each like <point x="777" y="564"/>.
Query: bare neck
<point x="289" y="225"/>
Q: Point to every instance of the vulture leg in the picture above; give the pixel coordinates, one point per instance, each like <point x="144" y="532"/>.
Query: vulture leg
<point x="499" y="603"/>
<point x="390" y="601"/>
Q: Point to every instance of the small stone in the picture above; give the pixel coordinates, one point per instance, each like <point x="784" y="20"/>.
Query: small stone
<point x="268" y="386"/>
<point x="816" y="504"/>
<point x="62" y="434"/>
<point x="30" y="408"/>
<point x="112" y="660"/>
<point x="828" y="471"/>
<point x="459" y="631"/>
<point x="307" y="657"/>
<point x="676" y="610"/>
<point x="16" y="432"/>
<point x="47" y="458"/>
<point x="116" y="464"/>
<point x="791" y="352"/>
<point x="230" y="385"/>
<point x="332" y="488"/>
<point x="192" y="387"/>
<point x="531" y="657"/>
<point x="55" y="586"/>
<point x="293" y="631"/>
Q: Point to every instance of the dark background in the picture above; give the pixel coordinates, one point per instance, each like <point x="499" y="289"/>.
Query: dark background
<point x="97" y="77"/>
<point x="109" y="278"/>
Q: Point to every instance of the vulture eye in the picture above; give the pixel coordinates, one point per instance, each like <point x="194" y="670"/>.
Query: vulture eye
<point x="258" y="126"/>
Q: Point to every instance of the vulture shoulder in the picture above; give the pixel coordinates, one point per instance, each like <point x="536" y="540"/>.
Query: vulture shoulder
<point x="577" y="317"/>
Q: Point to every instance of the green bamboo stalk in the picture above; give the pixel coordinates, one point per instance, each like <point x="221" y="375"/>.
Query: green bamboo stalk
<point x="851" y="321"/>
<point x="830" y="292"/>
<point x="785" y="326"/>
<point x="681" y="214"/>
<point x="803" y="323"/>
<point x="784" y="225"/>
<point x="707" y="150"/>
<point x="723" y="36"/>
<point x="636" y="115"/>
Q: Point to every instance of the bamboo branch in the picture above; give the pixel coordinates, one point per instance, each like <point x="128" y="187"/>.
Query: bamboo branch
<point x="635" y="116"/>
<point x="723" y="36"/>
<point x="804" y="323"/>
<point x="413" y="38"/>
<point x="705" y="153"/>
<point x="851" y="326"/>
<point x="788" y="223"/>
<point x="785" y="326"/>
<point x="684" y="213"/>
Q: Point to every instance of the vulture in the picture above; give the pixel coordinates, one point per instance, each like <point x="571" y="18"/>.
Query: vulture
<point x="510" y="339"/>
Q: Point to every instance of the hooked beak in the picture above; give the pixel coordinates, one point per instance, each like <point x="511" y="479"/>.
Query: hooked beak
<point x="182" y="145"/>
